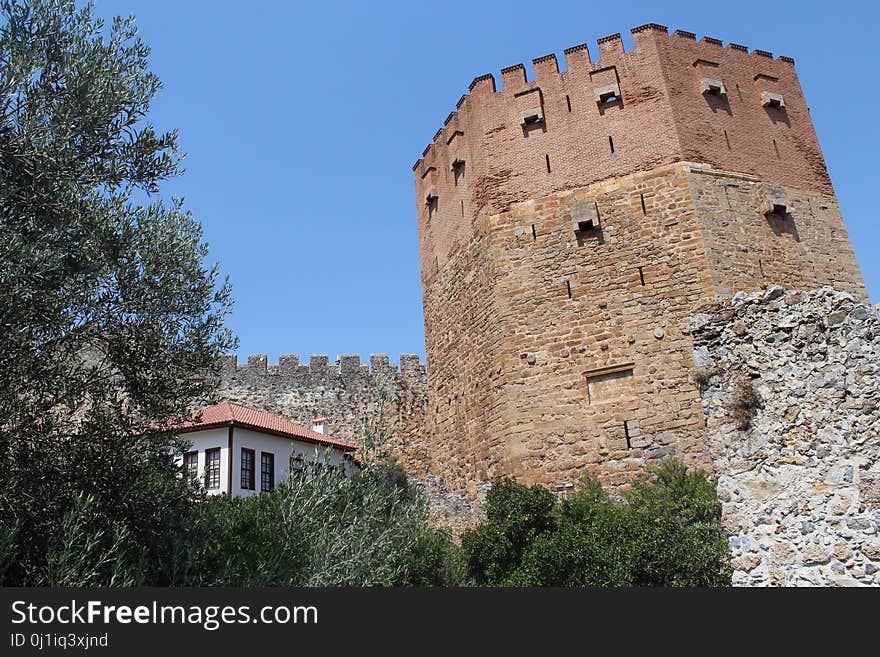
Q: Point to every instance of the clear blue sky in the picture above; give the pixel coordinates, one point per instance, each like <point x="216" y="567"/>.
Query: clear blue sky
<point x="301" y="121"/>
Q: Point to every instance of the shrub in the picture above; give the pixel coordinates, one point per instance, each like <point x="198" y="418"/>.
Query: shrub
<point x="665" y="531"/>
<point x="744" y="400"/>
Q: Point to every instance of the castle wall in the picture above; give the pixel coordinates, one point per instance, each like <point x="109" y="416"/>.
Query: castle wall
<point x="734" y="131"/>
<point x="800" y="484"/>
<point x="599" y="380"/>
<point x="346" y="393"/>
<point x="807" y="248"/>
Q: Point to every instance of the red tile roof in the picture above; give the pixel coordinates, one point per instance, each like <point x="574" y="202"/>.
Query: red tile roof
<point x="228" y="414"/>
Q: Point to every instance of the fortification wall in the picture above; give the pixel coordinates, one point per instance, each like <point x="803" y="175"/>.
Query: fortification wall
<point x="596" y="351"/>
<point x="345" y="392"/>
<point x="799" y="471"/>
<point x="806" y="248"/>
<point x="484" y="159"/>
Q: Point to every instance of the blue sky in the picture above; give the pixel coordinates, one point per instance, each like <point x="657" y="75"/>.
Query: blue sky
<point x="301" y="122"/>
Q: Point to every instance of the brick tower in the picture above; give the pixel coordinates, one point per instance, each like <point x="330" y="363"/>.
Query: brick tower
<point x="570" y="225"/>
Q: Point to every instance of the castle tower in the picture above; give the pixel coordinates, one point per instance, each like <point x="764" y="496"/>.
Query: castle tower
<point x="570" y="225"/>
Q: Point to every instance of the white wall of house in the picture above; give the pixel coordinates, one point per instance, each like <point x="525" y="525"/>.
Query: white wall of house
<point x="280" y="447"/>
<point x="201" y="441"/>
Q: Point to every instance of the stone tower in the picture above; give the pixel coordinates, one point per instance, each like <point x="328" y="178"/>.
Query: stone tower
<point x="570" y="225"/>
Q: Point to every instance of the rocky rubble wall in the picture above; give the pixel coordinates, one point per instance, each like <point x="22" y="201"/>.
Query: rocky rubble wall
<point x="790" y="385"/>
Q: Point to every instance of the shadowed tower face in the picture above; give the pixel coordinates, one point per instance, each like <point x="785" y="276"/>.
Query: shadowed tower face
<point x="570" y="226"/>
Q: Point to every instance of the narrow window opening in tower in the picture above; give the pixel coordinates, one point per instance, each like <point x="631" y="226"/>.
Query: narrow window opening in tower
<point x="727" y="140"/>
<point x="611" y="145"/>
<point x="642" y="275"/>
<point x="534" y="234"/>
<point x="644" y="209"/>
<point x="586" y="226"/>
<point x="547" y="157"/>
<point x="626" y="434"/>
<point x="568" y="287"/>
<point x="433" y="205"/>
<point x="568" y="102"/>
<point x="761" y="268"/>
<point x="462" y="208"/>
<point x="776" y="148"/>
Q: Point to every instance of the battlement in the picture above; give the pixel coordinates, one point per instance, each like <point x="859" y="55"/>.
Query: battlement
<point x="319" y="365"/>
<point x="610" y="48"/>
<point x="673" y="97"/>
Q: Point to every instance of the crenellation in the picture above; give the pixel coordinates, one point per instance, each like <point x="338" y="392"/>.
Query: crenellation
<point x="410" y="364"/>
<point x="577" y="57"/>
<point x="545" y="68"/>
<point x="288" y="362"/>
<point x="610" y="46"/>
<point x="655" y="27"/>
<point x="349" y="363"/>
<point x="482" y="84"/>
<point x="257" y="362"/>
<point x="513" y="78"/>
<point x="318" y="364"/>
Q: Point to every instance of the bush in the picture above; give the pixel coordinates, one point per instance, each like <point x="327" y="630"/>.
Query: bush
<point x="328" y="530"/>
<point x="665" y="531"/>
<point x="744" y="400"/>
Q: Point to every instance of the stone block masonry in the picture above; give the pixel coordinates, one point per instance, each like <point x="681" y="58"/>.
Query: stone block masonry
<point x="345" y="392"/>
<point x="800" y="484"/>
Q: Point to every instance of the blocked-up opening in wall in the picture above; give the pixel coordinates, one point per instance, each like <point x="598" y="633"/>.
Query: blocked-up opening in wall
<point x="585" y="218"/>
<point x="609" y="384"/>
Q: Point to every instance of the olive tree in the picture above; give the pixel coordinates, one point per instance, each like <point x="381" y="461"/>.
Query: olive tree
<point x="107" y="305"/>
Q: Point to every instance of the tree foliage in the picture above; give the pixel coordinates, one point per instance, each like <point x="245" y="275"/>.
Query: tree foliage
<point x="107" y="308"/>
<point x="326" y="530"/>
<point x="665" y="531"/>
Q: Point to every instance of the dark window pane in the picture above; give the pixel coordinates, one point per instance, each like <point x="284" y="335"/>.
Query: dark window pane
<point x="267" y="471"/>
<point x="247" y="469"/>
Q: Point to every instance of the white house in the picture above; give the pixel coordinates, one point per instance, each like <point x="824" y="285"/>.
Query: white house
<point x="243" y="451"/>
